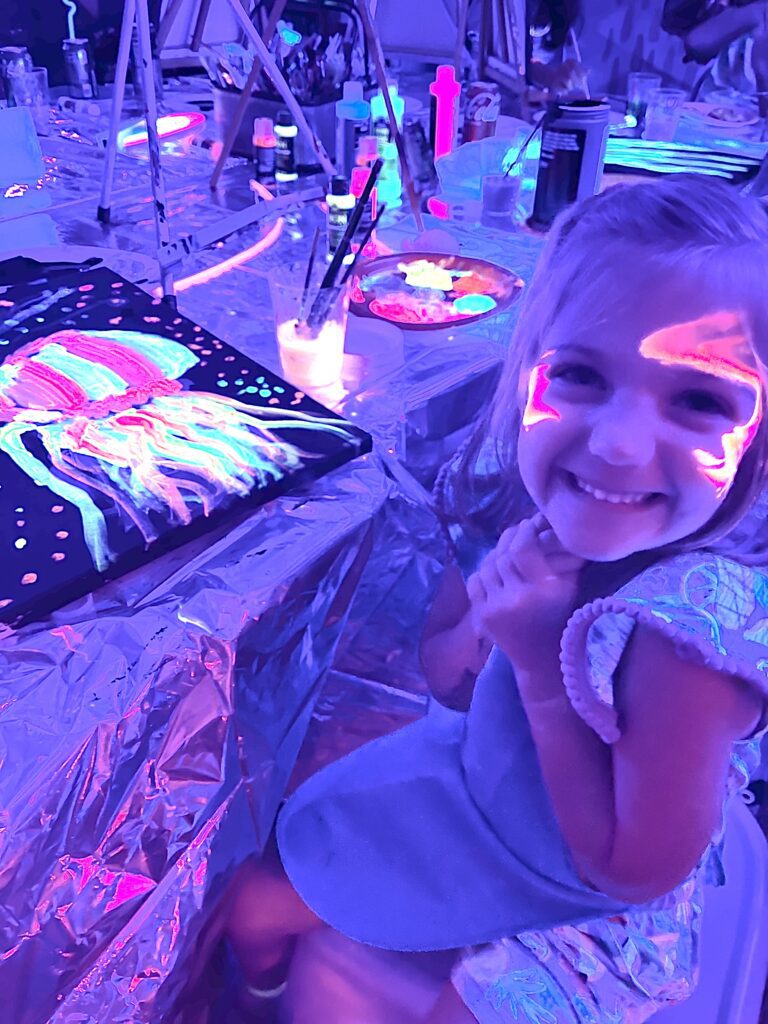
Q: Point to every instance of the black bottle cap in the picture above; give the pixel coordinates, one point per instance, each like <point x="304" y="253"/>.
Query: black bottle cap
<point x="339" y="185"/>
<point x="284" y="118"/>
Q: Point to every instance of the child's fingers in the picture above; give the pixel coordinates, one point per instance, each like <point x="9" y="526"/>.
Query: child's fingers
<point x="476" y="591"/>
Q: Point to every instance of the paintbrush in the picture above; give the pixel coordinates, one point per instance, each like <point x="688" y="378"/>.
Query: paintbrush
<point x="323" y="298"/>
<point x="521" y="151"/>
<point x="308" y="275"/>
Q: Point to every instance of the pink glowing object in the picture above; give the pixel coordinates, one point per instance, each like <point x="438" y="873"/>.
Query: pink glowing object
<point x="445" y="90"/>
<point x="211" y="273"/>
<point x="718" y="345"/>
<point x="536" y="409"/>
<point x="168" y="126"/>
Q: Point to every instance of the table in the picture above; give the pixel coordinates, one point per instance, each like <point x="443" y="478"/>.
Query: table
<point x="147" y="732"/>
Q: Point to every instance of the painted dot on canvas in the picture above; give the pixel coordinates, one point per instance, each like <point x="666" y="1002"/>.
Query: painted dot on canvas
<point x="62" y="534"/>
<point x="27" y="578"/>
<point x="58" y="556"/>
<point x="57" y="508"/>
<point x="20" y="543"/>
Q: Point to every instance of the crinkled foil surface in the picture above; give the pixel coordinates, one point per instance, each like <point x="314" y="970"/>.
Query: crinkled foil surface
<point x="147" y="734"/>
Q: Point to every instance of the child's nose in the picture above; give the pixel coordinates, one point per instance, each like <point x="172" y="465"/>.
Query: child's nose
<point x="623" y="433"/>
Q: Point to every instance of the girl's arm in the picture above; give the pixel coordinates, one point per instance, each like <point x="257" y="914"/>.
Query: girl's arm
<point x="636" y="815"/>
<point x="451" y="653"/>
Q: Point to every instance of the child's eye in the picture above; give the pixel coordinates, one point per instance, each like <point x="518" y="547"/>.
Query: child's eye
<point x="577" y="373"/>
<point x="705" y="402"/>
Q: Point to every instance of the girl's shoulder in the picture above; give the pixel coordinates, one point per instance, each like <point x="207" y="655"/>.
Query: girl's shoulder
<point x="714" y="608"/>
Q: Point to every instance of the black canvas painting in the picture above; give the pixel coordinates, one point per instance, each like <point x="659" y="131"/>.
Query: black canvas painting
<point x="125" y="430"/>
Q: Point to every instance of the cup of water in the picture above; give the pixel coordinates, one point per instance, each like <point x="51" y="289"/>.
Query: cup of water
<point x="663" y="114"/>
<point x="640" y="85"/>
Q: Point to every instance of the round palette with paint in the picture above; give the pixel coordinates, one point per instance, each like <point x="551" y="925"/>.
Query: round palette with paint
<point x="423" y="291"/>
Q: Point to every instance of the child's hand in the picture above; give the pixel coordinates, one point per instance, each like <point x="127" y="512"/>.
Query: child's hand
<point x="524" y="593"/>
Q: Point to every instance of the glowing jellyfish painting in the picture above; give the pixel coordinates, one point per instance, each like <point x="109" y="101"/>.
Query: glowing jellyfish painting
<point x="92" y="414"/>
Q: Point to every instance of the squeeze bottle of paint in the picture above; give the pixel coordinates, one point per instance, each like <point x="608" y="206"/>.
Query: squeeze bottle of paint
<point x="285" y="147"/>
<point x="353" y="116"/>
<point x="264" y="148"/>
<point x="380" y="118"/>
<point x="340" y="202"/>
<point x="390" y="185"/>
<point x="573" y="139"/>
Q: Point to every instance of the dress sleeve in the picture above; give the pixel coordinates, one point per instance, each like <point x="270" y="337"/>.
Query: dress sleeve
<point x="715" y="609"/>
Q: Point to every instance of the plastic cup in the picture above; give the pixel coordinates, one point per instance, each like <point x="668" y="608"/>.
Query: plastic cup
<point x="640" y="85"/>
<point x="500" y="193"/>
<point x="30" y="89"/>
<point x="310" y="330"/>
<point x="663" y="114"/>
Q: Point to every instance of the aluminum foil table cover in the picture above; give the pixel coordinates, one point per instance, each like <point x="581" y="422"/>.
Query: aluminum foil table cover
<point x="147" y="735"/>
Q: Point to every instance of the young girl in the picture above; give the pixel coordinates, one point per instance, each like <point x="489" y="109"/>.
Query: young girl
<point x="608" y="655"/>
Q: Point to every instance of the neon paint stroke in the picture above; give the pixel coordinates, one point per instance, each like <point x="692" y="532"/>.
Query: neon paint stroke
<point x="536" y="409"/>
<point x="719" y="345"/>
<point x="113" y="419"/>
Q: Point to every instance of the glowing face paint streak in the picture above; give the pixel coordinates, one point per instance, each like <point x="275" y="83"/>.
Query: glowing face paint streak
<point x="718" y="345"/>
<point x="536" y="409"/>
<point x="446" y="91"/>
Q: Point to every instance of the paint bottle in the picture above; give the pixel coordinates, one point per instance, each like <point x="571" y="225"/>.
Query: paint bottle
<point x="264" y="148"/>
<point x="285" y="148"/>
<point x="340" y="202"/>
<point x="574" y="135"/>
<point x="380" y="118"/>
<point x="353" y="116"/>
<point x="390" y="185"/>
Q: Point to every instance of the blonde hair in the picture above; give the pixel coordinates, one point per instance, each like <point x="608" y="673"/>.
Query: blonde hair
<point x="683" y="223"/>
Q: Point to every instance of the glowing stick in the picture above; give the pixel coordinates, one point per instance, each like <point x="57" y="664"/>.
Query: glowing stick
<point x="445" y="90"/>
<point x="71" y="12"/>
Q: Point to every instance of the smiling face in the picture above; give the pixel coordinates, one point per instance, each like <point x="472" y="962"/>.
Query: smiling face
<point x="633" y="429"/>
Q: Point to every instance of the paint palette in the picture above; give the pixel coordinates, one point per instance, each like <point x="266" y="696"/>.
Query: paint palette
<point x="429" y="291"/>
<point x="125" y="430"/>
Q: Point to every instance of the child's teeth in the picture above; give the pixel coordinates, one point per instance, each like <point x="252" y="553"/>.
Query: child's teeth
<point x="615" y="499"/>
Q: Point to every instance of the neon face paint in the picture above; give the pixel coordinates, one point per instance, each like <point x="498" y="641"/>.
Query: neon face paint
<point x="718" y="345"/>
<point x="536" y="408"/>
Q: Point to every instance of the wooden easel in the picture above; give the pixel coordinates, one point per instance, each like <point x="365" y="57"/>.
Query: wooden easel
<point x="502" y="41"/>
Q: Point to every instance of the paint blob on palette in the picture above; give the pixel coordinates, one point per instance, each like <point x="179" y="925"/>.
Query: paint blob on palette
<point x="428" y="291"/>
<point x="126" y="430"/>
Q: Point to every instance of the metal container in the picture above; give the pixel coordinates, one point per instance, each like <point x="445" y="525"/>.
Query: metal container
<point x="574" y="135"/>
<point x="13" y="59"/>
<point x="481" y="111"/>
<point x="78" y="65"/>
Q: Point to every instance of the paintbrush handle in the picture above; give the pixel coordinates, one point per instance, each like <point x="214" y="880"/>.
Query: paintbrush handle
<point x="351" y="228"/>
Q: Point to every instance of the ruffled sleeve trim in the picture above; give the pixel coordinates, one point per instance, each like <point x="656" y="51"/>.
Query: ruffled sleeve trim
<point x="598" y="713"/>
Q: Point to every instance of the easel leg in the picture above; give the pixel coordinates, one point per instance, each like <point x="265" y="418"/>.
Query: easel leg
<point x="156" y="170"/>
<point x="280" y="84"/>
<point x="245" y="96"/>
<point x="121" y="70"/>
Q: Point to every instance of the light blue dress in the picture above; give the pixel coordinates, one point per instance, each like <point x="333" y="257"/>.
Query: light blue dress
<point x="442" y="835"/>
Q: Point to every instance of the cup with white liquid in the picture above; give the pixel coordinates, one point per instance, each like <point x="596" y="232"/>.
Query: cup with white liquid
<point x="311" y="349"/>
